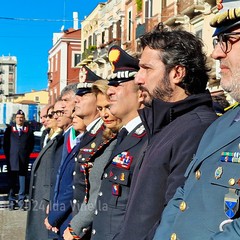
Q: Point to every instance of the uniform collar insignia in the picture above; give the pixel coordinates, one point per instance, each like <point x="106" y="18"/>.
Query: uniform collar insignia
<point x="140" y="130"/>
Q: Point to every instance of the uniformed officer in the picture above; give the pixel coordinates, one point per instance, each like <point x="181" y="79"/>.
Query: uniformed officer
<point x="125" y="100"/>
<point x="18" y="144"/>
<point x="80" y="225"/>
<point x="207" y="207"/>
<point x="86" y="108"/>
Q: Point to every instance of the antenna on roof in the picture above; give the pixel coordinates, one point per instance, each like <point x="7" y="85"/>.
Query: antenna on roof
<point x="64" y="15"/>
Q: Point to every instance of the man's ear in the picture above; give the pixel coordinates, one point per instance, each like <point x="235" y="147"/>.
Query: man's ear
<point x="179" y="72"/>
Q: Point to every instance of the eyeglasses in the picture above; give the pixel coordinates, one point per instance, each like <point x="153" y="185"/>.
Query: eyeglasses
<point x="59" y="113"/>
<point x="226" y="40"/>
<point x="50" y="115"/>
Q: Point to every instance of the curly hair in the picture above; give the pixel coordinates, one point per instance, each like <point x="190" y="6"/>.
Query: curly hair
<point x="179" y="47"/>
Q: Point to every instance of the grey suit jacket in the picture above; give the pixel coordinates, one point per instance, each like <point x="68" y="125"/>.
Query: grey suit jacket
<point x="84" y="218"/>
<point x="39" y="193"/>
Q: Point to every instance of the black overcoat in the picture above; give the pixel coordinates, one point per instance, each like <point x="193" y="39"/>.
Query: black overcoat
<point x="174" y="131"/>
<point x="17" y="149"/>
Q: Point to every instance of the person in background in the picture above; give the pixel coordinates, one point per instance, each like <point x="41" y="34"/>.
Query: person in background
<point x="61" y="170"/>
<point x="43" y="119"/>
<point x="173" y="76"/>
<point x="125" y="101"/>
<point x="18" y="145"/>
<point x="43" y="116"/>
<point x="39" y="188"/>
<point x="80" y="225"/>
<point x="207" y="206"/>
<point x="60" y="212"/>
<point x="51" y="125"/>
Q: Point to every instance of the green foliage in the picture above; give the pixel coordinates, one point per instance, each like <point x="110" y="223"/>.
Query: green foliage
<point x="139" y="5"/>
<point x="92" y="48"/>
<point x="88" y="51"/>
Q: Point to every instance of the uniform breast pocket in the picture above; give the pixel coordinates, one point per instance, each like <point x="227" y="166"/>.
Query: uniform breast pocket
<point x="119" y="180"/>
<point x="119" y="175"/>
<point x="226" y="186"/>
<point x="226" y="175"/>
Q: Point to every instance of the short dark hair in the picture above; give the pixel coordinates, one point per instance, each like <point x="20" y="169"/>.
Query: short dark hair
<point x="179" y="47"/>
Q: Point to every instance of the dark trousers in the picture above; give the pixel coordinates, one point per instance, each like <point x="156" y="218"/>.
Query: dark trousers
<point x="16" y="186"/>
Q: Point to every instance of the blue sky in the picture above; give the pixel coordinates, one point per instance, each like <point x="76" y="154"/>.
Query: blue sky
<point x="30" y="39"/>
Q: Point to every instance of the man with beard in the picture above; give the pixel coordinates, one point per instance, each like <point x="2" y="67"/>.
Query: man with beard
<point x="207" y="206"/>
<point x="173" y="77"/>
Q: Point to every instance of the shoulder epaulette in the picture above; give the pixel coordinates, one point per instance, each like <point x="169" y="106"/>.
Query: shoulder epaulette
<point x="232" y="106"/>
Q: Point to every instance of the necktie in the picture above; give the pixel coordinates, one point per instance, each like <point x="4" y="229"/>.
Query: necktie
<point x="20" y="131"/>
<point x="121" y="135"/>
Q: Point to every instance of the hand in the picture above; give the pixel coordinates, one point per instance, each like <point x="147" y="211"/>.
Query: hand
<point x="47" y="225"/>
<point x="47" y="209"/>
<point x="55" y="229"/>
<point x="67" y="234"/>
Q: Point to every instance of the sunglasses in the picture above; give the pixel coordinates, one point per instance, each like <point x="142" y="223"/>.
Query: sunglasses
<point x="50" y="115"/>
<point x="59" y="113"/>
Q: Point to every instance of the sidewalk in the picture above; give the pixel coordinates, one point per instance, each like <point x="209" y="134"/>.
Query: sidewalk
<point x="12" y="223"/>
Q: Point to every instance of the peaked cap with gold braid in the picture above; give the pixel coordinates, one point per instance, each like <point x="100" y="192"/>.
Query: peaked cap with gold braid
<point x="86" y="79"/>
<point x="228" y="16"/>
<point x="124" y="66"/>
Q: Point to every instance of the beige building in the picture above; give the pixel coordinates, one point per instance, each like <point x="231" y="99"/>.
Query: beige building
<point x="33" y="97"/>
<point x="123" y="22"/>
<point x="103" y="28"/>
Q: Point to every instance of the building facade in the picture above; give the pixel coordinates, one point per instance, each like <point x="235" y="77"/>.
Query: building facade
<point x="124" y="22"/>
<point x="63" y="59"/>
<point x="8" y="76"/>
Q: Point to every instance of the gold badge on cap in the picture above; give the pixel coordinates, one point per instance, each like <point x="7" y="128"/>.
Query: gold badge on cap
<point x="93" y="145"/>
<point x="82" y="74"/>
<point x="114" y="57"/>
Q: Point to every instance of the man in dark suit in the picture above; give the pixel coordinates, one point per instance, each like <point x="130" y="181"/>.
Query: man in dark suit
<point x="173" y="77"/>
<point x="61" y="191"/>
<point x="125" y="100"/>
<point x="18" y="144"/>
